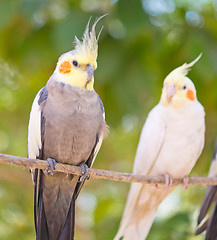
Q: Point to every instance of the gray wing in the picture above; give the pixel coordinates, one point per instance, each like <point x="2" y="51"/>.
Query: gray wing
<point x="210" y="197"/>
<point x="101" y="105"/>
<point x="94" y="152"/>
<point x="211" y="231"/>
<point x="35" y="143"/>
<point x="35" y="128"/>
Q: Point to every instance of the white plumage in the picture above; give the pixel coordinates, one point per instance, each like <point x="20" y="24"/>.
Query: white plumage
<point x="170" y="143"/>
<point x="34" y="129"/>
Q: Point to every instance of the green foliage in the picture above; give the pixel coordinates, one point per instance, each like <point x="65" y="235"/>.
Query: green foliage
<point x="161" y="230"/>
<point x="142" y="41"/>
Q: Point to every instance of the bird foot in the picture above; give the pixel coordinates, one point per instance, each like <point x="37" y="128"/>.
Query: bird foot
<point x="168" y="181"/>
<point x="84" y="172"/>
<point x="52" y="165"/>
<point x="185" y="182"/>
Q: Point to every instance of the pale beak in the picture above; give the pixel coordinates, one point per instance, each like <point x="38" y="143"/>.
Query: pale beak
<point x="89" y="70"/>
<point x="170" y="91"/>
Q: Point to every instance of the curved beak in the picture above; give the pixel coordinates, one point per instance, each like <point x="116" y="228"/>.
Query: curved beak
<point x="89" y="70"/>
<point x="170" y="91"/>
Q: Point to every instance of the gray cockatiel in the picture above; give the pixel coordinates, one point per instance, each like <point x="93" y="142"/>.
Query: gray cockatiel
<point x="210" y="225"/>
<point x="66" y="125"/>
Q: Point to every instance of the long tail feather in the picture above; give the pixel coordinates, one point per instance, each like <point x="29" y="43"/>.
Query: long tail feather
<point x="42" y="228"/>
<point x="69" y="227"/>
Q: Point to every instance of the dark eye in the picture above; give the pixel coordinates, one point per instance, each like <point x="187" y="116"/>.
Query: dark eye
<point x="75" y="63"/>
<point x="184" y="87"/>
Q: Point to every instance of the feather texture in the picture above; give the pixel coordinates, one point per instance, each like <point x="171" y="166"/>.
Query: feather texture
<point x="170" y="144"/>
<point x="89" y="44"/>
<point x="163" y="148"/>
<point x="67" y="125"/>
<point x="71" y="130"/>
<point x="183" y="70"/>
<point x="210" y="198"/>
<point x="34" y="129"/>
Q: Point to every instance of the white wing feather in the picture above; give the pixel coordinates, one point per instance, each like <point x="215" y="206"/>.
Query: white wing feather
<point x="150" y="143"/>
<point x="34" y="129"/>
<point x="149" y="147"/>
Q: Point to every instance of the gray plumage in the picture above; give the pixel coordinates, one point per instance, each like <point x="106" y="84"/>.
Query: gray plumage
<point x="72" y="125"/>
<point x="73" y="119"/>
<point x="210" y="225"/>
<point x="66" y="125"/>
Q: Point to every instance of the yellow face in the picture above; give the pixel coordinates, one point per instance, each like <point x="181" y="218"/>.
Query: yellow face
<point x="178" y="92"/>
<point x="76" y="70"/>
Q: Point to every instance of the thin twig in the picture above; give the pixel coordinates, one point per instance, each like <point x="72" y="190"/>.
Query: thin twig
<point x="103" y="174"/>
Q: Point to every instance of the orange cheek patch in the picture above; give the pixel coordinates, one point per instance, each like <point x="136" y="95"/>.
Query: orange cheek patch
<point x="190" y="95"/>
<point x="65" y="67"/>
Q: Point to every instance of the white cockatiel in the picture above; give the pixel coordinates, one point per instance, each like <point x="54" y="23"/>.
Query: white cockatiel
<point x="170" y="144"/>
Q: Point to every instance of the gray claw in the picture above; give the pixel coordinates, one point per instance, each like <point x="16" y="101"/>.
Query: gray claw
<point x="84" y="172"/>
<point x="52" y="164"/>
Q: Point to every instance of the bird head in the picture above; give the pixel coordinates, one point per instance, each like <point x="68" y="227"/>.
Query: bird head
<point x="179" y="90"/>
<point x="77" y="66"/>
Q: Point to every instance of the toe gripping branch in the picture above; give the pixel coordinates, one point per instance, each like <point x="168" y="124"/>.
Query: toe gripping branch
<point x="84" y="169"/>
<point x="52" y="165"/>
<point x="84" y="172"/>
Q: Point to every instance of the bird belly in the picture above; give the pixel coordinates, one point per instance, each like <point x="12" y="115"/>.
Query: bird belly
<point x="70" y="137"/>
<point x="179" y="153"/>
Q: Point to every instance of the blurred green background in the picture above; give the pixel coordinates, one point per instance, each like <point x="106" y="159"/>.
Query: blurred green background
<point x="142" y="41"/>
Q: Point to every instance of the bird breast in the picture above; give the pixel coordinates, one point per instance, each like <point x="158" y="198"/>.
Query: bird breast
<point x="183" y="142"/>
<point x="73" y="119"/>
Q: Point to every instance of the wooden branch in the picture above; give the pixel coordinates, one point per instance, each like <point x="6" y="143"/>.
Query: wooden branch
<point x="103" y="174"/>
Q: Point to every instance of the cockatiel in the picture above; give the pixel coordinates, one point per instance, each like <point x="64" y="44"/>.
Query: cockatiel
<point x="66" y="125"/>
<point x="170" y="143"/>
<point x="210" y="225"/>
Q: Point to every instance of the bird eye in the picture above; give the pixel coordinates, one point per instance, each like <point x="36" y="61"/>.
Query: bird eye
<point x="75" y="63"/>
<point x="184" y="87"/>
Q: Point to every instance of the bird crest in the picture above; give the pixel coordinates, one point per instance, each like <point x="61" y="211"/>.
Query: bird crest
<point x="88" y="47"/>
<point x="182" y="71"/>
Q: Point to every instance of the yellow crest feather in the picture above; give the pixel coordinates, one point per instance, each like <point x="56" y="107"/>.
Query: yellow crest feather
<point x="183" y="70"/>
<point x="89" y="44"/>
<point x="186" y="67"/>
